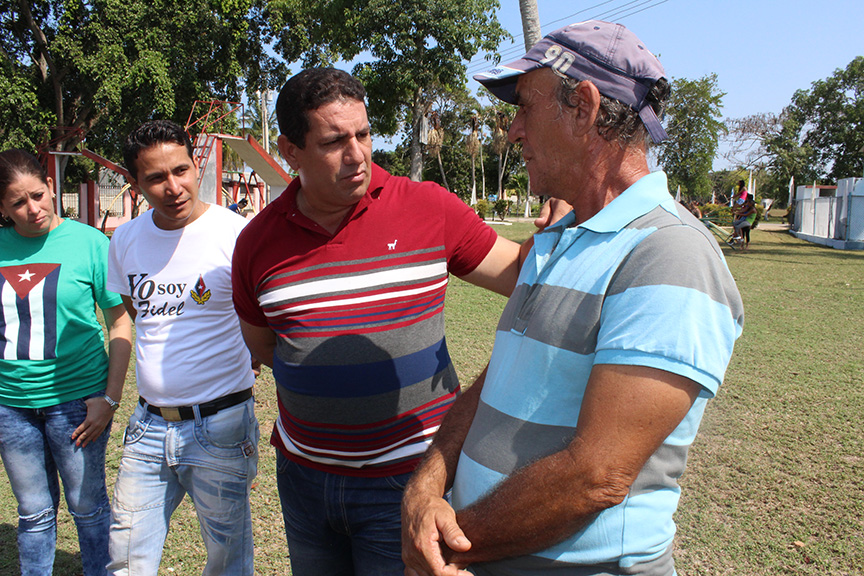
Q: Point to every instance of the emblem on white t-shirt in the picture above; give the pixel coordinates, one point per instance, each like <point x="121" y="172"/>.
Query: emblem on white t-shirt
<point x="200" y="294"/>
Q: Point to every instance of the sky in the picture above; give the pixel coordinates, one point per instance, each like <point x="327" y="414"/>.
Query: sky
<point x="761" y="50"/>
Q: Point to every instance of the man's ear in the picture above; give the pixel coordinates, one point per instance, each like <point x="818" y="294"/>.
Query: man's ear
<point x="588" y="107"/>
<point x="133" y="183"/>
<point x="288" y="150"/>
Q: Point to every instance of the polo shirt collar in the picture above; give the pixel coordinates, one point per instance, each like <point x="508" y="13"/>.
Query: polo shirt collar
<point x="643" y="196"/>
<point x="378" y="180"/>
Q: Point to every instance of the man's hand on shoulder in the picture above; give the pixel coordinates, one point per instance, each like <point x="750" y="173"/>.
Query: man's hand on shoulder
<point x="552" y="210"/>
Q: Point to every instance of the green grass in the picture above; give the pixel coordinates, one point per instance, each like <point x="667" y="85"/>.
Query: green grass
<point x="775" y="480"/>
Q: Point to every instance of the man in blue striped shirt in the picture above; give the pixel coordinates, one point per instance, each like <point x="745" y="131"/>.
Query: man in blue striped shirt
<point x="564" y="456"/>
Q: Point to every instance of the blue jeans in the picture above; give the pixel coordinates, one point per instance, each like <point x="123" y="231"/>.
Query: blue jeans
<point x="214" y="460"/>
<point x="36" y="445"/>
<point x="341" y="525"/>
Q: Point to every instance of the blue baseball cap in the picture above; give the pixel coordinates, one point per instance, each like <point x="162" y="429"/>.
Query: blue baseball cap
<point x="607" y="54"/>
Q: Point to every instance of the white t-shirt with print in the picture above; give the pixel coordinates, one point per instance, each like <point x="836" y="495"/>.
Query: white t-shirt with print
<point x="188" y="346"/>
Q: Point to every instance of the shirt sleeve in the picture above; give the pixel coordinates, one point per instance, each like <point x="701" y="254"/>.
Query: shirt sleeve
<point x="114" y="274"/>
<point x="672" y="305"/>
<point x="243" y="282"/>
<point x="103" y="296"/>
<point x="468" y="239"/>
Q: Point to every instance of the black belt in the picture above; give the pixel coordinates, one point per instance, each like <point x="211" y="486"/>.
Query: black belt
<point x="178" y="413"/>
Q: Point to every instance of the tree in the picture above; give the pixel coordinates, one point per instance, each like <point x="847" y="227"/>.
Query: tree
<point x="771" y="145"/>
<point x="253" y="121"/>
<point x="23" y="123"/>
<point x="530" y="22"/>
<point x="103" y="67"/>
<point x="831" y="117"/>
<point x="453" y="112"/>
<point x="500" y="142"/>
<point x="416" y="46"/>
<point x="521" y="184"/>
<point x="694" y="128"/>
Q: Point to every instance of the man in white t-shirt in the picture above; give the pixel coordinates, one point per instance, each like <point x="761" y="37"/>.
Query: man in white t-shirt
<point x="194" y="430"/>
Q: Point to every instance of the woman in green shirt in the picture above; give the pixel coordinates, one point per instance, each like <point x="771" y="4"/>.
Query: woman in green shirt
<point x="59" y="388"/>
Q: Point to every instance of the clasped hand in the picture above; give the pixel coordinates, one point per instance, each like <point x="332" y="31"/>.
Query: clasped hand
<point x="431" y="538"/>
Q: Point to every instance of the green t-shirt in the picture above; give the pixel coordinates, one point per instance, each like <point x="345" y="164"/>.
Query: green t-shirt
<point x="52" y="348"/>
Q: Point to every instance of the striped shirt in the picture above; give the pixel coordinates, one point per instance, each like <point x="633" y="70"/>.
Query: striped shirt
<point x="361" y="363"/>
<point x="641" y="283"/>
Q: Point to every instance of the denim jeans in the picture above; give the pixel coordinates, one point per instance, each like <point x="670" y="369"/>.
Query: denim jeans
<point x="36" y="445"/>
<point x="214" y="460"/>
<point x="341" y="525"/>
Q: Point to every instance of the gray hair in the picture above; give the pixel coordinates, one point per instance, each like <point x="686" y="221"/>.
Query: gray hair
<point x="616" y="120"/>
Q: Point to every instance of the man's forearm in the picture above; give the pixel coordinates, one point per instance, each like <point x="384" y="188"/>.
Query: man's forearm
<point x="535" y="508"/>
<point x="624" y="417"/>
<point x="438" y="468"/>
<point x="428" y="521"/>
<point x="260" y="341"/>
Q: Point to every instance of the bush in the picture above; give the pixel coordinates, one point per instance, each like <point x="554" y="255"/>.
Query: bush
<point x="720" y="214"/>
<point x="501" y="208"/>
<point x="482" y="207"/>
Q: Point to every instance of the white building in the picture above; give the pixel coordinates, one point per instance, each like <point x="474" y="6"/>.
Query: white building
<point x="831" y="215"/>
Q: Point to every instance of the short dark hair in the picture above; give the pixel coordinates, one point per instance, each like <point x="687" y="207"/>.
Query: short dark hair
<point x="617" y="120"/>
<point x="15" y="163"/>
<point x="309" y="90"/>
<point x="150" y="134"/>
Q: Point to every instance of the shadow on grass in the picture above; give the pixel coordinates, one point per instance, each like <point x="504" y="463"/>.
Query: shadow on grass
<point x="65" y="563"/>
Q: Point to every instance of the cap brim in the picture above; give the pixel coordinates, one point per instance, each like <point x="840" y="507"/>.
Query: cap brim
<point x="501" y="80"/>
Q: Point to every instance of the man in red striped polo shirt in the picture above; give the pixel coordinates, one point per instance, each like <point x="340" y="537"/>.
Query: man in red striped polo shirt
<point x="339" y="285"/>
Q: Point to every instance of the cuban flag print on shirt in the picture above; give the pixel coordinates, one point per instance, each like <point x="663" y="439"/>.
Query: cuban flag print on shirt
<point x="28" y="314"/>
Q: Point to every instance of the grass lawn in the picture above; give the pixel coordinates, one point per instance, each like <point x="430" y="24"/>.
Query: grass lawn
<point x="775" y="480"/>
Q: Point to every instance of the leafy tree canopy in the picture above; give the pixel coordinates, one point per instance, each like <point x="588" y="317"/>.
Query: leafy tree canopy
<point x="770" y="145"/>
<point x="103" y="67"/>
<point x="831" y="117"/>
<point x="694" y="128"/>
<point x="415" y="45"/>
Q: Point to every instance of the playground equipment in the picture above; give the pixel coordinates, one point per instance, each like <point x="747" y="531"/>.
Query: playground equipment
<point x="722" y="234"/>
<point x="209" y="122"/>
<point x="217" y="184"/>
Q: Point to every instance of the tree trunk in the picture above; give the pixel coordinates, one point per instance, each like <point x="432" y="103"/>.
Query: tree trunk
<point x="416" y="149"/>
<point x="473" y="181"/>
<point x="500" y="174"/>
<point x="482" y="174"/>
<point x="530" y="22"/>
<point x="502" y="164"/>
<point x="443" y="176"/>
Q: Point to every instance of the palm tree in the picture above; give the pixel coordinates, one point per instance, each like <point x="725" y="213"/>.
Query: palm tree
<point x="254" y="124"/>
<point x="501" y="145"/>
<point x="436" y="140"/>
<point x="472" y="143"/>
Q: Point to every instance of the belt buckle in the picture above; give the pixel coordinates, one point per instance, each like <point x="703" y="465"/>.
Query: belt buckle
<point x="171" y="414"/>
